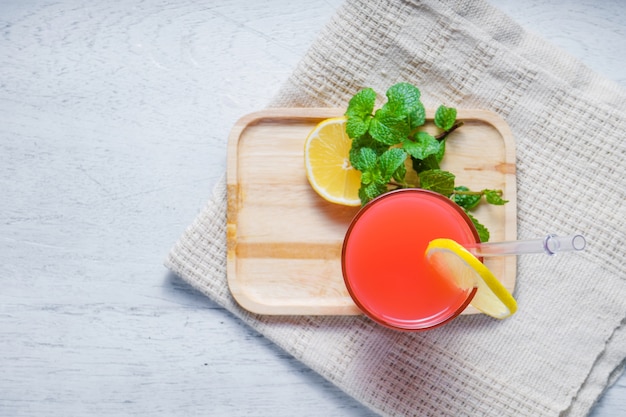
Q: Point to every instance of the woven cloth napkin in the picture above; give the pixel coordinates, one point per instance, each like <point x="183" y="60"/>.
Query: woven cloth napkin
<point x="567" y="342"/>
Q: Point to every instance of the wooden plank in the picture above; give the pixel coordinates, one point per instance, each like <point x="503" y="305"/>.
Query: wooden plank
<point x="284" y="241"/>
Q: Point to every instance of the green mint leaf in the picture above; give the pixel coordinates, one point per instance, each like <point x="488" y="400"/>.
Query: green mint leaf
<point x="370" y="191"/>
<point x="367" y="177"/>
<point x="388" y="128"/>
<point x="390" y="161"/>
<point x="402" y="97"/>
<point x="416" y="116"/>
<point x="436" y="180"/>
<point x="431" y="161"/>
<point x="423" y="146"/>
<point x="362" y="104"/>
<point x="494" y="197"/>
<point x="445" y="117"/>
<point x="483" y="232"/>
<point x="442" y="150"/>
<point x="467" y="201"/>
<point x="420" y="165"/>
<point x="400" y="174"/>
<point x="404" y="101"/>
<point x="357" y="126"/>
<point x="359" y="112"/>
<point x="363" y="159"/>
<point x="367" y="141"/>
<point x="377" y="176"/>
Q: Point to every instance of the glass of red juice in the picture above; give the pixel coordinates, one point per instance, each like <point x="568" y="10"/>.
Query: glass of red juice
<point x="384" y="265"/>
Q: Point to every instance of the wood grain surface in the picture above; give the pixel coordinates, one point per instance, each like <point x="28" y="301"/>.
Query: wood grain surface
<point x="284" y="255"/>
<point x="113" y="124"/>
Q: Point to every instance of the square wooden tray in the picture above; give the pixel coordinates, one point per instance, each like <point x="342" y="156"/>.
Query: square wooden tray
<point x="284" y="241"/>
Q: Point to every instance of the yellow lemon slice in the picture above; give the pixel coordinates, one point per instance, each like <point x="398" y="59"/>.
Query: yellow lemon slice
<point x="454" y="262"/>
<point x="327" y="163"/>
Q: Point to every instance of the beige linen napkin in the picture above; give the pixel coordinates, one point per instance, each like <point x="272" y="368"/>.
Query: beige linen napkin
<point x="568" y="339"/>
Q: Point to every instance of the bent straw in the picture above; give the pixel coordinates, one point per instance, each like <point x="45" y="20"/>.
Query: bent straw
<point x="551" y="245"/>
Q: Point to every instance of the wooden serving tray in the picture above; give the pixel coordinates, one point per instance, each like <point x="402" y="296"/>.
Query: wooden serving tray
<point x="284" y="241"/>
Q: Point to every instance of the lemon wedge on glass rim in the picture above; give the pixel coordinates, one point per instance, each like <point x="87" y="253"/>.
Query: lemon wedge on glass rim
<point x="455" y="263"/>
<point x="327" y="163"/>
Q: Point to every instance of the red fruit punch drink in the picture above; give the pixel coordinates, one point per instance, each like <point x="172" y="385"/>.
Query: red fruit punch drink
<point x="383" y="260"/>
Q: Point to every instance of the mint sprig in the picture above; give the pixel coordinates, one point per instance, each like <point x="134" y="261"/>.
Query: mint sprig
<point x="390" y="140"/>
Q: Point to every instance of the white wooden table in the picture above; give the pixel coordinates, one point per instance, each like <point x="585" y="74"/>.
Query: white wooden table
<point x="113" y="124"/>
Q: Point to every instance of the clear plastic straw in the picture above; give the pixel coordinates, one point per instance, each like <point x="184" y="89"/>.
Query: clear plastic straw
<point x="550" y="245"/>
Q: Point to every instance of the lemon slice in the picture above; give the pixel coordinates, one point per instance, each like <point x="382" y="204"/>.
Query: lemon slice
<point x="454" y="262"/>
<point x="327" y="163"/>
